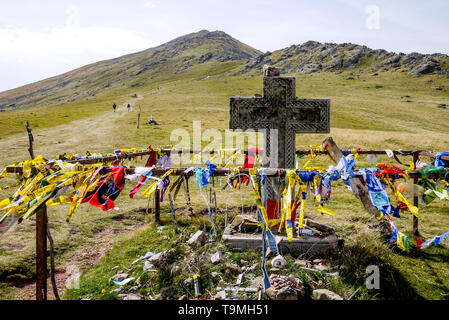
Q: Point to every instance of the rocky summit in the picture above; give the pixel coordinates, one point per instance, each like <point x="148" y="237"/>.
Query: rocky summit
<point x="313" y="56"/>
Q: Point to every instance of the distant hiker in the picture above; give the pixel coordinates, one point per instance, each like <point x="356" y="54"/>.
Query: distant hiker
<point x="128" y="106"/>
<point x="114" y="106"/>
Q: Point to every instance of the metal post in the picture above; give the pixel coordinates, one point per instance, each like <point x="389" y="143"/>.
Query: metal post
<point x="41" y="254"/>
<point x="157" y="205"/>
<point x="415" y="197"/>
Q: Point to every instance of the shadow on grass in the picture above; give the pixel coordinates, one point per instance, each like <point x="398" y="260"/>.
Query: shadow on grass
<point x="393" y="285"/>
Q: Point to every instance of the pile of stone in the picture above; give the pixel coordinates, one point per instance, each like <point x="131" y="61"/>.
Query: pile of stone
<point x="285" y="288"/>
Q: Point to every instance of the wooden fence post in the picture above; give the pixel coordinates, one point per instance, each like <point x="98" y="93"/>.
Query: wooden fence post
<point x="157" y="205"/>
<point x="41" y="254"/>
<point x="30" y="139"/>
<point x="138" y="117"/>
<point x="358" y="188"/>
<point x="415" y="196"/>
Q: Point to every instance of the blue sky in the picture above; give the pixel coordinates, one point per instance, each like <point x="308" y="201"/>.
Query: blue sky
<point x="40" y="39"/>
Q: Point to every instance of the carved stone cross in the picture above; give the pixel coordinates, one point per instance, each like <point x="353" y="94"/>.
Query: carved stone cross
<point x="280" y="111"/>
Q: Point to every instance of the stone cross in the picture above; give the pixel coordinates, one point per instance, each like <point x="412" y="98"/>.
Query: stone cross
<point x="280" y="111"/>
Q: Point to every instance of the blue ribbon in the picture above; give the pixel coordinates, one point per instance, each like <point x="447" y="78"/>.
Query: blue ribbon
<point x="307" y="176"/>
<point x="375" y="186"/>
<point x="439" y="162"/>
<point x="394" y="235"/>
<point x="267" y="237"/>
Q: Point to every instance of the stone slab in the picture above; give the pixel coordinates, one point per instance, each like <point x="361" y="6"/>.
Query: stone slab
<point x="311" y="245"/>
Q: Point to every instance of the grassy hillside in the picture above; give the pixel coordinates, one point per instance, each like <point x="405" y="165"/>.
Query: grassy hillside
<point x="390" y="110"/>
<point x="132" y="71"/>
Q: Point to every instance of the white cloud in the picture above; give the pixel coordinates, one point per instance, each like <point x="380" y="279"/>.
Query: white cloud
<point x="149" y="4"/>
<point x="71" y="40"/>
<point x="73" y="16"/>
<point x="35" y="55"/>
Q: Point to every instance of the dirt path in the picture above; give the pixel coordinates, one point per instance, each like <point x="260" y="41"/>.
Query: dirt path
<point x="91" y="133"/>
<point x="88" y="255"/>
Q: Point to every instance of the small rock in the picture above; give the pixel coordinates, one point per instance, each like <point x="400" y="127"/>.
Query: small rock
<point x="214" y="274"/>
<point x="183" y="297"/>
<point x="147" y="266"/>
<point x="118" y="290"/>
<point x="130" y="296"/>
<point x="198" y="239"/>
<point x="318" y="261"/>
<point x="217" y="257"/>
<point x="304" y="263"/>
<point x="220" y="295"/>
<point x="324" y="294"/>
<point x="232" y="269"/>
<point x="167" y="292"/>
<point x="158" y="259"/>
<point x="270" y="71"/>
<point x="134" y="288"/>
<point x="257" y="282"/>
<point x="205" y="256"/>
<point x="275" y="270"/>
<point x="285" y="293"/>
<point x="119" y="277"/>
<point x="320" y="267"/>
<point x="285" y="288"/>
<point x="439" y="88"/>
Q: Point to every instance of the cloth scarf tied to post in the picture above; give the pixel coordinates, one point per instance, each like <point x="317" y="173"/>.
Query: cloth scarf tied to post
<point x="268" y="239"/>
<point x="377" y="193"/>
<point x="203" y="177"/>
<point x="144" y="176"/>
<point x="344" y="170"/>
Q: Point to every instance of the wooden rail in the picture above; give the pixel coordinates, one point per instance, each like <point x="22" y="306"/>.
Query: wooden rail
<point x="42" y="221"/>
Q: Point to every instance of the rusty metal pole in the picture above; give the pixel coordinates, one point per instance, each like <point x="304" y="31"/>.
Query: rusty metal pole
<point x="415" y="197"/>
<point x="41" y="254"/>
<point x="157" y="205"/>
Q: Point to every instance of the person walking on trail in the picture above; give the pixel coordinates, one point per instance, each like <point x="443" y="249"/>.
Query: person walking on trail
<point x="128" y="106"/>
<point x="114" y="106"/>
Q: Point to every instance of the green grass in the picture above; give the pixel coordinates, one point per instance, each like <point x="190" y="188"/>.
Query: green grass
<point x="363" y="117"/>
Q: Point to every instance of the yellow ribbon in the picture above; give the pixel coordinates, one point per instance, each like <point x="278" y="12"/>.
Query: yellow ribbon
<point x="148" y="191"/>
<point x="257" y="197"/>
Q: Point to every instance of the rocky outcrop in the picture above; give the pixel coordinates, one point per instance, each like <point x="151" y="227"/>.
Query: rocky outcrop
<point x="312" y="56"/>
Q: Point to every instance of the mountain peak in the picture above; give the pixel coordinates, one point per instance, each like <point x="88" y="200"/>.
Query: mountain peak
<point x="177" y="56"/>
